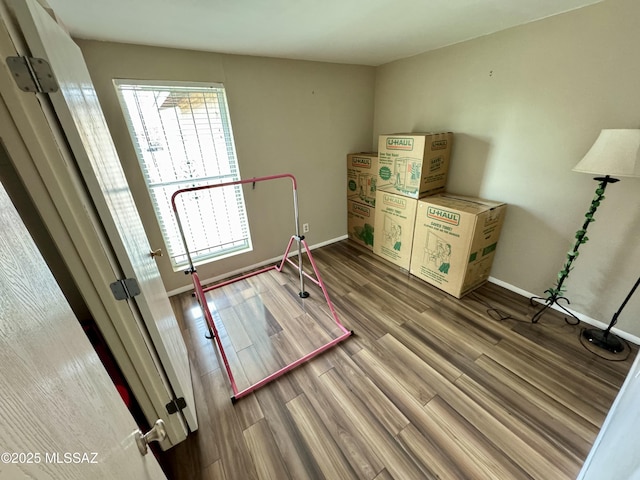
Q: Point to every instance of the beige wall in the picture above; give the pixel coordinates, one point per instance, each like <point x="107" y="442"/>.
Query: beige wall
<point x="288" y="117"/>
<point x="526" y="104"/>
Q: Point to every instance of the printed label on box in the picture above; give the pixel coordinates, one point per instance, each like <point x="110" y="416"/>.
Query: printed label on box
<point x="395" y="219"/>
<point x="361" y="223"/>
<point x="362" y="177"/>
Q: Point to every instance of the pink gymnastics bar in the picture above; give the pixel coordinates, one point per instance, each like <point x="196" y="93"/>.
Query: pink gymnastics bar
<point x="200" y="292"/>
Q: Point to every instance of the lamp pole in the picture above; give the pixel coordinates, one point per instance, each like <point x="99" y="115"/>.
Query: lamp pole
<point x="604" y="338"/>
<point x="555" y="294"/>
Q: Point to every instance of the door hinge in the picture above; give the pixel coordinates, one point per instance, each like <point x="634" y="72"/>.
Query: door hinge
<point x="176" y="405"/>
<point x="124" y="289"/>
<point x="32" y="74"/>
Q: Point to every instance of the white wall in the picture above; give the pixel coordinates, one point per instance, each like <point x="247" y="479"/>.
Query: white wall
<point x="526" y="104"/>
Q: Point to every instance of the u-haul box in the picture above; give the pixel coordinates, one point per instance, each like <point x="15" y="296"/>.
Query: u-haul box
<point x="455" y="240"/>
<point x="413" y="164"/>
<point x="395" y="219"/>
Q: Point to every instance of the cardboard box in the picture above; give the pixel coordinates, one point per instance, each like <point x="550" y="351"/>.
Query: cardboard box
<point x="395" y="219"/>
<point x="362" y="176"/>
<point x="455" y="241"/>
<point x="413" y="164"/>
<point x="360" y="223"/>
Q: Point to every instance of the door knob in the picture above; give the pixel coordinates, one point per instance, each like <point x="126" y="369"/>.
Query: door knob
<point x="157" y="434"/>
<point x="156" y="253"/>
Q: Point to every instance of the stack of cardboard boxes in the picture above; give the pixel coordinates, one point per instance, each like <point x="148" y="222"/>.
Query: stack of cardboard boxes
<point x="447" y="240"/>
<point x="410" y="167"/>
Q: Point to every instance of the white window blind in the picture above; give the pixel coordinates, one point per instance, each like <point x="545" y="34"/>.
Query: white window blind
<point x="183" y="138"/>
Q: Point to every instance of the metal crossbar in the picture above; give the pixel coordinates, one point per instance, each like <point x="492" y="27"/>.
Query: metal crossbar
<point x="200" y="291"/>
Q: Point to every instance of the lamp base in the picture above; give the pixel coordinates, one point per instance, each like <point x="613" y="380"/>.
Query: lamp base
<point x="603" y="339"/>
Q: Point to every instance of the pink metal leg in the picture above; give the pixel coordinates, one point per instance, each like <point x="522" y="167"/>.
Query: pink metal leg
<point x="212" y="327"/>
<point x="237" y="279"/>
<point x="200" y="292"/>
<point x="292" y="365"/>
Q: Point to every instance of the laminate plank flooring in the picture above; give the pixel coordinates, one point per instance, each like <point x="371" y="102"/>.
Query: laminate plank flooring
<point x="429" y="387"/>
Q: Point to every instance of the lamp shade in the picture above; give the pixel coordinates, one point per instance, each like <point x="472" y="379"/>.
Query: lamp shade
<point x="615" y="153"/>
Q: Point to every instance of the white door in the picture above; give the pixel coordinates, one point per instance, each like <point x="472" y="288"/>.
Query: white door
<point x="78" y="111"/>
<point x="60" y="416"/>
<point x="615" y="452"/>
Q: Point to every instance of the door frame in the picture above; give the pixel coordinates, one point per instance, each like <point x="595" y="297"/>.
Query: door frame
<point x="47" y="351"/>
<point x="69" y="215"/>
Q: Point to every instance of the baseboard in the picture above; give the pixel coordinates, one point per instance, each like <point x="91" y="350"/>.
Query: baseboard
<point x="584" y="318"/>
<point x="226" y="275"/>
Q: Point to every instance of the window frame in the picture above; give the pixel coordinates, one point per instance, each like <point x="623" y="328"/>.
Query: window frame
<point x="234" y="164"/>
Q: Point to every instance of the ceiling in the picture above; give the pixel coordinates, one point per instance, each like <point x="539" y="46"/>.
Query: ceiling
<point x="366" y="32"/>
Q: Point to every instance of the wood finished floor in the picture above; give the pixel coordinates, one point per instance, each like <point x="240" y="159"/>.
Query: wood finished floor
<point x="429" y="387"/>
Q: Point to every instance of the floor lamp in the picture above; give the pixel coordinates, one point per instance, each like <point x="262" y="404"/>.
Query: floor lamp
<point x="615" y="153"/>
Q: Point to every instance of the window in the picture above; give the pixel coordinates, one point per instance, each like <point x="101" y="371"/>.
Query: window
<point x="183" y="138"/>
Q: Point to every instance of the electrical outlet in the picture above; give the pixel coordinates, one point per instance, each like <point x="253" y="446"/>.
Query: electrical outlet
<point x="305" y="228"/>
